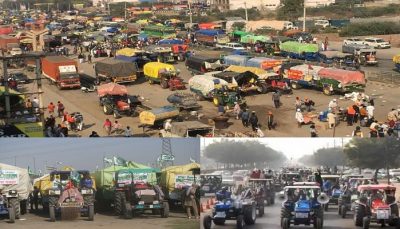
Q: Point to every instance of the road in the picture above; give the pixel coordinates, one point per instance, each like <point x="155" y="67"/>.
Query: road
<point x="175" y="221"/>
<point x="154" y="96"/>
<point x="271" y="220"/>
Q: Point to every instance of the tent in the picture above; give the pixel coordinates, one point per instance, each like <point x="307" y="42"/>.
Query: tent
<point x="178" y="176"/>
<point x="111" y="89"/>
<point x="105" y="177"/>
<point x="15" y="178"/>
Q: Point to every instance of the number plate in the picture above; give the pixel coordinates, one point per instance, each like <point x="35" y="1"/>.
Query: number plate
<point x="220" y="215"/>
<point x="301" y="215"/>
<point x="382" y="214"/>
<point x="206" y="188"/>
<point x="151" y="206"/>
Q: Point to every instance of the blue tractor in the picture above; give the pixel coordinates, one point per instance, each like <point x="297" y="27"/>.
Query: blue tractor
<point x="241" y="208"/>
<point x="332" y="189"/>
<point x="302" y="205"/>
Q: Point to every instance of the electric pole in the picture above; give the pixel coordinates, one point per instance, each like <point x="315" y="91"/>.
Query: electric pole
<point x="304" y="16"/>
<point x="125" y="12"/>
<point x="190" y="15"/>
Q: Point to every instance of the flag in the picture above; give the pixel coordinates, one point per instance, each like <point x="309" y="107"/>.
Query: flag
<point x="108" y="161"/>
<point x="119" y="161"/>
<point x="192" y="160"/>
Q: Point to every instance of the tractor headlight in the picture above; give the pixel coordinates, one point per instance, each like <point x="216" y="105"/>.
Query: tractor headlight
<point x="339" y="85"/>
<point x="156" y="202"/>
<point x="12" y="192"/>
<point x="121" y="185"/>
<point x="141" y="202"/>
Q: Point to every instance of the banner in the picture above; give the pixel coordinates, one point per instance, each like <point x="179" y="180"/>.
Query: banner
<point x="127" y="178"/>
<point x="22" y="130"/>
<point x="182" y="181"/>
<point x="9" y="177"/>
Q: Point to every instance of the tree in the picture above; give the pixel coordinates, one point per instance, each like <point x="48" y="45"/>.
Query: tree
<point x="290" y="10"/>
<point x="373" y="153"/>
<point x="328" y="157"/>
<point x="242" y="154"/>
<point x="238" y="25"/>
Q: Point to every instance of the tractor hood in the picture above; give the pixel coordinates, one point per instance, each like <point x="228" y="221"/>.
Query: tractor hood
<point x="123" y="105"/>
<point x="302" y="206"/>
<point x="223" y="205"/>
<point x="379" y="204"/>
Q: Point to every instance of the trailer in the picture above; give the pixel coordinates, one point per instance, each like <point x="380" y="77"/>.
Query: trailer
<point x="117" y="71"/>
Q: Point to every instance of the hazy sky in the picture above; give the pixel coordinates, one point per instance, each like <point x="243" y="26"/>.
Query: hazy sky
<point x="292" y="147"/>
<point x="87" y="153"/>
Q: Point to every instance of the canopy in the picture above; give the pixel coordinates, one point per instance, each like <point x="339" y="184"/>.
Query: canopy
<point x="150" y="117"/>
<point x="115" y="68"/>
<point x="128" y="52"/>
<point x="15" y="178"/>
<point x="344" y="76"/>
<point x="170" y="174"/>
<point x="105" y="177"/>
<point x="205" y="84"/>
<point x="240" y="33"/>
<point x="263" y="62"/>
<point x="111" y="89"/>
<point x="296" y="47"/>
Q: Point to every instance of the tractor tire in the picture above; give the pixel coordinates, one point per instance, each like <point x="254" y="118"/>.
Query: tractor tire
<point x="14" y="203"/>
<point x="343" y="211"/>
<point x="52" y="213"/>
<point x="365" y="222"/>
<point x="359" y="214"/>
<point x="165" y="210"/>
<point x="164" y="83"/>
<point x="394" y="211"/>
<point x="326" y="91"/>
<point x="250" y="215"/>
<point x="116" y="115"/>
<point x="107" y="109"/>
<point x="207" y="222"/>
<point x="285" y="213"/>
<point x="11" y="215"/>
<point x="261" y="210"/>
<point x="262" y="88"/>
<point x="127" y="211"/>
<point x="151" y="82"/>
<point x="285" y="223"/>
<point x="199" y="97"/>
<point x="118" y="201"/>
<point x="240" y="222"/>
<point x="219" y="221"/>
<point x="91" y="213"/>
<point x="318" y="223"/>
<point x="88" y="200"/>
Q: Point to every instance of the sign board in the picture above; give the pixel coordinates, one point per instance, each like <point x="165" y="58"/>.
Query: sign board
<point x="9" y="177"/>
<point x="182" y="181"/>
<point x="127" y="178"/>
<point x="34" y="129"/>
<point x="67" y="69"/>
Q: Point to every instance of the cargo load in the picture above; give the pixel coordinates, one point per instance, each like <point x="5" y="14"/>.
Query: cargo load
<point x="205" y="85"/>
<point x="117" y="71"/>
<point x="236" y="60"/>
<point x="156" y="116"/>
<point x="6" y="40"/>
<point x="15" y="178"/>
<point x="263" y="63"/>
<point x="297" y="50"/>
<point x="344" y="76"/>
<point x="62" y="71"/>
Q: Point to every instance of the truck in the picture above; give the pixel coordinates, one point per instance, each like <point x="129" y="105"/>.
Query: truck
<point x="115" y="70"/>
<point x="366" y="53"/>
<point x="211" y="37"/>
<point x="15" y="187"/>
<point x="297" y="50"/>
<point x="61" y="71"/>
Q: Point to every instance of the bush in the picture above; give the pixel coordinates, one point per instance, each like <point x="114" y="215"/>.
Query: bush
<point x="370" y="28"/>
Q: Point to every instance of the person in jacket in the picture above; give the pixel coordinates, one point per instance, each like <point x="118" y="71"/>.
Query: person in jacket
<point x="190" y="202"/>
<point x="299" y="118"/>
<point x="245" y="118"/>
<point x="276" y="97"/>
<point x="270" y="121"/>
<point x="253" y="120"/>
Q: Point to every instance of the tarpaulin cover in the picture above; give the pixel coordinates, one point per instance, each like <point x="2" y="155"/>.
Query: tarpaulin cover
<point x="111" y="89"/>
<point x="300" y="71"/>
<point x="236" y="60"/>
<point x="263" y="62"/>
<point x="6" y="30"/>
<point x="344" y="76"/>
<point x="168" y="174"/>
<point x="251" y="39"/>
<point x="334" y="54"/>
<point x="105" y="177"/>
<point x="241" y="78"/>
<point x="210" y="32"/>
<point x="150" y="117"/>
<point x="262" y="74"/>
<point x="396" y="59"/>
<point x="204" y="84"/>
<point x="128" y="52"/>
<point x="206" y="25"/>
<point x="127" y="58"/>
<point x="240" y="33"/>
<point x="152" y="69"/>
<point x="115" y="68"/>
<point x="170" y="42"/>
<point x="296" y="47"/>
<point x="23" y="184"/>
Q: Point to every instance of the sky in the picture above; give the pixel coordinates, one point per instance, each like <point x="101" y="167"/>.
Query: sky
<point x="292" y="147"/>
<point x="88" y="153"/>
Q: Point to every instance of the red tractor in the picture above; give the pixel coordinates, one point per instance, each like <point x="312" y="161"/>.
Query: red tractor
<point x="377" y="203"/>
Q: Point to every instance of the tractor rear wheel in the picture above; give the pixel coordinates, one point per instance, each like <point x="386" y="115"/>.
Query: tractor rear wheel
<point x="219" y="221"/>
<point x="14" y="203"/>
<point x="285" y="223"/>
<point x="359" y="214"/>
<point x="52" y="212"/>
<point x="164" y="83"/>
<point x="240" y="222"/>
<point x="165" y="210"/>
<point x="207" y="222"/>
<point x="343" y="211"/>
<point x="11" y="214"/>
<point x="261" y="210"/>
<point x="295" y="85"/>
<point x="107" y="109"/>
<point x="127" y="211"/>
<point x="119" y="199"/>
<point x="250" y="215"/>
<point x="318" y="223"/>
<point x="91" y="213"/>
<point x="327" y="91"/>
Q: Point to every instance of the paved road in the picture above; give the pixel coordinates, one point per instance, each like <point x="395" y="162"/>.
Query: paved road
<point x="154" y="96"/>
<point x="271" y="220"/>
<point x="175" y="221"/>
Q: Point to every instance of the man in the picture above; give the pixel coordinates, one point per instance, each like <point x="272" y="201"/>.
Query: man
<point x="94" y="134"/>
<point x="245" y="118"/>
<point x="35" y="198"/>
<point x="60" y="109"/>
<point x="190" y="202"/>
<point x="168" y="125"/>
<point x="50" y="108"/>
<point x="370" y="111"/>
<point x="270" y="120"/>
<point x="128" y="132"/>
<point x="117" y="127"/>
<point x="276" y="98"/>
<point x="299" y="118"/>
<point x="333" y="105"/>
<point x="253" y="120"/>
<point x="350" y="115"/>
<point x="107" y="126"/>
<point x="313" y="131"/>
<point x="331" y="119"/>
<point x="309" y="104"/>
<point x="357" y="132"/>
<point x="237" y="110"/>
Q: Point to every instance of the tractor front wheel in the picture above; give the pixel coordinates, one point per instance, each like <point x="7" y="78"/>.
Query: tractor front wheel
<point x="165" y="210"/>
<point x="91" y="213"/>
<point x="250" y="215"/>
<point x="219" y="221"/>
<point x="11" y="214"/>
<point x="14" y="203"/>
<point x="285" y="223"/>
<point x="207" y="222"/>
<point x="365" y="222"/>
<point x="318" y="223"/>
<point x="343" y="211"/>
<point x="52" y="212"/>
<point x="240" y="222"/>
<point x="164" y="83"/>
<point x="359" y="215"/>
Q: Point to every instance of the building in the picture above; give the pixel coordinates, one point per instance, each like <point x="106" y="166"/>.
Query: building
<point x="237" y="4"/>
<point x="319" y="3"/>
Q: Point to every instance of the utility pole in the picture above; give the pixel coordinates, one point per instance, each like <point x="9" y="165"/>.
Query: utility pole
<point x="304" y="16"/>
<point x="40" y="90"/>
<point x="190" y="15"/>
<point x="6" y="90"/>
<point x="34" y="165"/>
<point x="245" y="11"/>
<point x="125" y="12"/>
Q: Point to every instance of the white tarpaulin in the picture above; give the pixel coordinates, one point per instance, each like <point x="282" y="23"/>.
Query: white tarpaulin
<point x="22" y="185"/>
<point x="205" y="84"/>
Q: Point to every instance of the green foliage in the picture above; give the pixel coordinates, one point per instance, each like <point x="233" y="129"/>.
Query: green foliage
<point x="238" y="26"/>
<point x="242" y="153"/>
<point x="372" y="28"/>
<point x="329" y="157"/>
<point x="373" y="153"/>
<point x="290" y="10"/>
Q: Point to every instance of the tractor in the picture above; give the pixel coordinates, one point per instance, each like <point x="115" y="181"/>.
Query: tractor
<point x="332" y="189"/>
<point x="377" y="203"/>
<point x="242" y="208"/>
<point x="303" y="205"/>
<point x="135" y="194"/>
<point x="210" y="184"/>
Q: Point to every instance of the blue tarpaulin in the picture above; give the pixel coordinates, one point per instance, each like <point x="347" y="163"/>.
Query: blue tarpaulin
<point x="235" y="60"/>
<point x="127" y="58"/>
<point x="170" y="42"/>
<point x="210" y="32"/>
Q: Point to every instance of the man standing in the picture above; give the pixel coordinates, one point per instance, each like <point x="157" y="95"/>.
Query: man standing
<point x="276" y="98"/>
<point x="331" y="119"/>
<point x="333" y="105"/>
<point x="245" y="118"/>
<point x="253" y="121"/>
<point x="50" y="108"/>
<point x="370" y="111"/>
<point x="60" y="109"/>
<point x="270" y="120"/>
<point x="107" y="126"/>
<point x="299" y="118"/>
